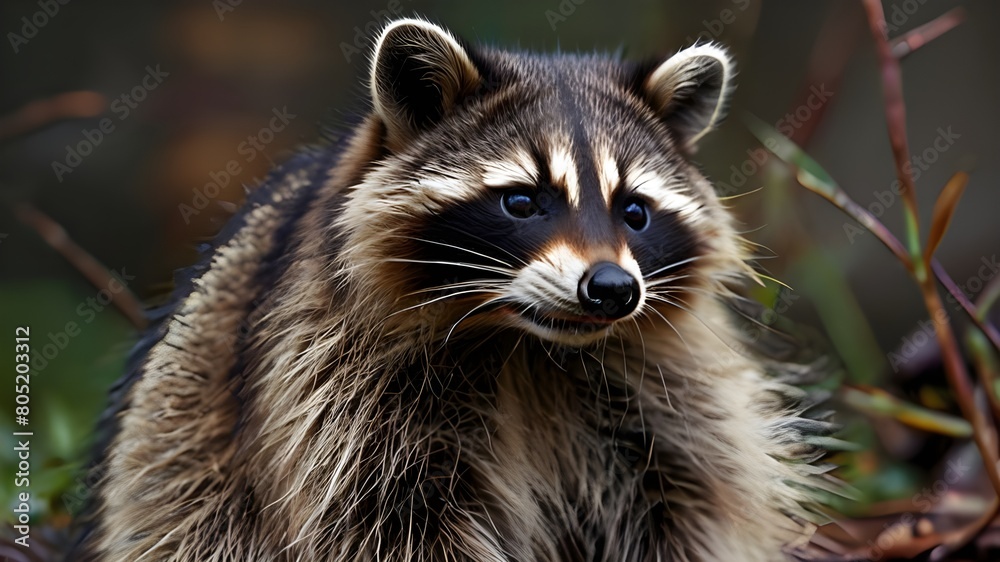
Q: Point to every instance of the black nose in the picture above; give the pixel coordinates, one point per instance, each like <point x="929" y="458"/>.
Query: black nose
<point x="608" y="290"/>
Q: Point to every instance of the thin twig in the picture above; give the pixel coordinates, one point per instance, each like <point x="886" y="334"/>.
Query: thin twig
<point x="987" y="298"/>
<point x="98" y="275"/>
<point x="963" y="535"/>
<point x="976" y="312"/>
<point x="912" y="40"/>
<point x="39" y="113"/>
<point x="984" y="431"/>
<point x="983" y="359"/>
<point x="870" y="222"/>
<point x="895" y="115"/>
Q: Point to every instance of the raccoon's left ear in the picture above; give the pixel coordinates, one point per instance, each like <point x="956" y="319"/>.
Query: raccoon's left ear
<point x="419" y="73"/>
<point x="690" y="91"/>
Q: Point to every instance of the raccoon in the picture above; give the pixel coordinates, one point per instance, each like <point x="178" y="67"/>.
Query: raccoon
<point x="494" y="325"/>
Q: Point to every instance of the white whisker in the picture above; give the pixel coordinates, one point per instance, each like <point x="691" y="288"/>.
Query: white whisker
<point x="658" y="282"/>
<point x="441" y="298"/>
<point x="473" y="252"/>
<point x="481" y="283"/>
<point x="502" y="270"/>
<point x="485" y="241"/>
<point x="673" y="265"/>
<point x="470" y="313"/>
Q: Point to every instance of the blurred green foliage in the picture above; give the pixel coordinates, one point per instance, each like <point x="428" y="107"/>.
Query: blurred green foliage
<point x="69" y="383"/>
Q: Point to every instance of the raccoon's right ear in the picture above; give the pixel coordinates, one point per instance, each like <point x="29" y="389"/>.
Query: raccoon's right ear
<point x="419" y="73"/>
<point x="690" y="91"/>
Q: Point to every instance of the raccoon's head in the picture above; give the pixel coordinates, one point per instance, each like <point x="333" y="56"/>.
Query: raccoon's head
<point x="551" y="193"/>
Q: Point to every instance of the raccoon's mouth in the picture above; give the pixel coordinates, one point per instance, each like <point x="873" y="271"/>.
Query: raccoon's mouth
<point x="552" y="322"/>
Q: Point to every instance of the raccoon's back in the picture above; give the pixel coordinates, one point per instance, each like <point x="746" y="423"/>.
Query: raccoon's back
<point x="182" y="380"/>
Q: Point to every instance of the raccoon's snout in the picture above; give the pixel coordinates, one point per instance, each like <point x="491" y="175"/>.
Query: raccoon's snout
<point x="608" y="290"/>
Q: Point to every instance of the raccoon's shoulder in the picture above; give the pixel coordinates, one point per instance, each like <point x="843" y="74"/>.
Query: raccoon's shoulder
<point x="286" y="195"/>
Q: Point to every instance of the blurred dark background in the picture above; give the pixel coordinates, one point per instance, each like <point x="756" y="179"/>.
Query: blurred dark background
<point x="201" y="77"/>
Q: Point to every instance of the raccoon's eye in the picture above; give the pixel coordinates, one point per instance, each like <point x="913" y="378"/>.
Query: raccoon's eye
<point x="519" y="204"/>
<point x="635" y="214"/>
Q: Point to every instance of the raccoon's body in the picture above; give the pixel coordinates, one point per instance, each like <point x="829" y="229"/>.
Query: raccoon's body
<point x="493" y="327"/>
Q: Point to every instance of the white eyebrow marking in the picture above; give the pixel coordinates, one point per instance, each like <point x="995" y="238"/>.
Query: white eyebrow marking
<point x="563" y="173"/>
<point x="668" y="195"/>
<point x="607" y="171"/>
<point x="520" y="169"/>
<point x="447" y="187"/>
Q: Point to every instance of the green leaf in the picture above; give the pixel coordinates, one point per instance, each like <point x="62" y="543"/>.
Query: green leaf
<point x="810" y="173"/>
<point x="877" y="402"/>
